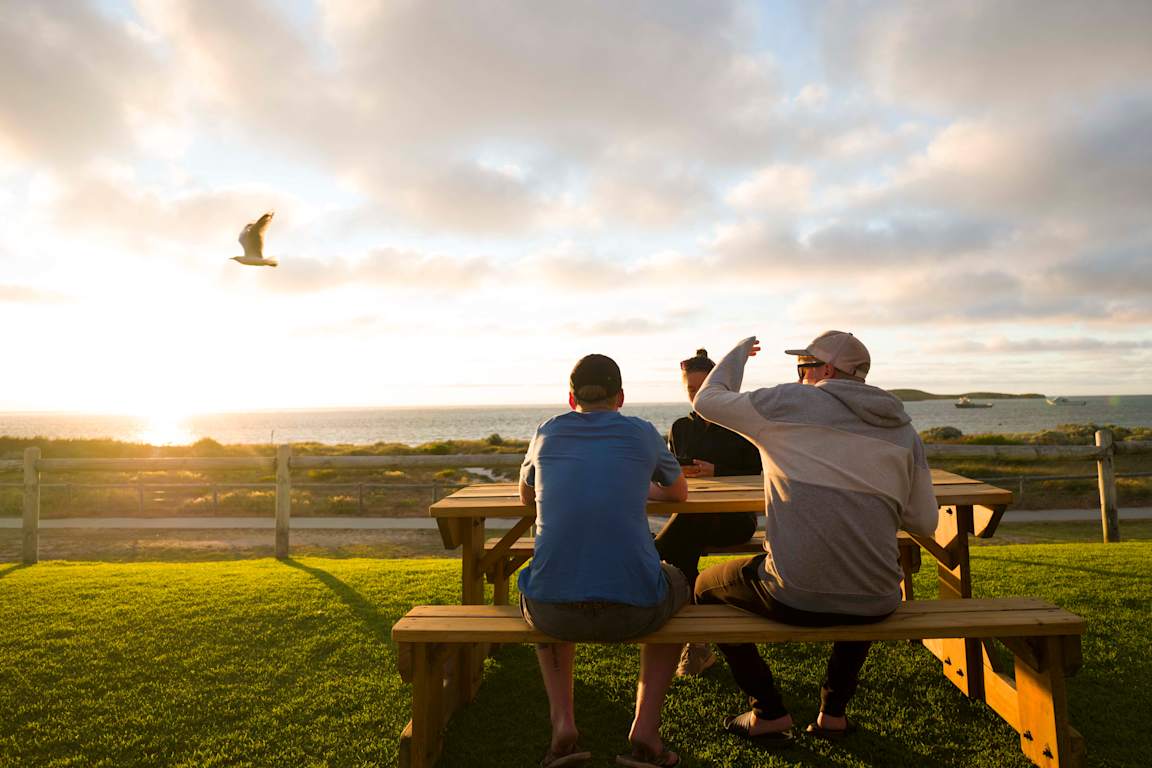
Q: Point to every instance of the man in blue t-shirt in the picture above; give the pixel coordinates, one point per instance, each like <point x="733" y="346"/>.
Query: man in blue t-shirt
<point x="596" y="574"/>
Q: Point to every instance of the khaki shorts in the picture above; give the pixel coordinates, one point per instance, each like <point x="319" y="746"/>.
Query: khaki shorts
<point x="593" y="621"/>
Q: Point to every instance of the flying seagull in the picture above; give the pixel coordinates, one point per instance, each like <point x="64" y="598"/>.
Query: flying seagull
<point x="252" y="238"/>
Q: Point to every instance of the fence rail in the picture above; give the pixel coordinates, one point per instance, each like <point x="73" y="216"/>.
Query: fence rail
<point x="284" y="462"/>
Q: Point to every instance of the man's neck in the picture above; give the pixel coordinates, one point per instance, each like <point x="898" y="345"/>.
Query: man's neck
<point x="595" y="408"/>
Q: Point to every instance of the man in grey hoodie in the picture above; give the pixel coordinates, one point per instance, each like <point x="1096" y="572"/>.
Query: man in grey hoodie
<point x="843" y="472"/>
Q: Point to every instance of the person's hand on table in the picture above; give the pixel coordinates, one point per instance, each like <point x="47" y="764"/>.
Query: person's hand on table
<point x="700" y="468"/>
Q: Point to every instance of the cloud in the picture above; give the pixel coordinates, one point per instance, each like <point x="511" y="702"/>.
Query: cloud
<point x="972" y="55"/>
<point x="63" y="65"/>
<point x="1006" y="346"/>
<point x="25" y="294"/>
<point x="381" y="268"/>
<point x="646" y="195"/>
<point x="410" y="101"/>
<point x="776" y="187"/>
<point x="194" y="225"/>
<point x="632" y="325"/>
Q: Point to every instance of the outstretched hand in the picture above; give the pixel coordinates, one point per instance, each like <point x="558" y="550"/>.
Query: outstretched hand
<point x="754" y="346"/>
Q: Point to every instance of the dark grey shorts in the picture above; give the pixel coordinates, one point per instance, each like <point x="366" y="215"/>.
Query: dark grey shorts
<point x="603" y="621"/>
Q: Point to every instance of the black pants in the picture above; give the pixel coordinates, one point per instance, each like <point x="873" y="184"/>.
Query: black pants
<point x="685" y="537"/>
<point x="737" y="582"/>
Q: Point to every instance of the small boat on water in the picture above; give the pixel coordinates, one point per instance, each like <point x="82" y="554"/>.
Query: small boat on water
<point x="964" y="402"/>
<point x="1064" y="401"/>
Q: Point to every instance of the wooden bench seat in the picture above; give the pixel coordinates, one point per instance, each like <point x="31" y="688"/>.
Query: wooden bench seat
<point x="500" y="569"/>
<point x="433" y="642"/>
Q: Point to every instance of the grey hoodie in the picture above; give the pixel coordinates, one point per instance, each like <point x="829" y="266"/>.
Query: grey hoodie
<point x="843" y="472"/>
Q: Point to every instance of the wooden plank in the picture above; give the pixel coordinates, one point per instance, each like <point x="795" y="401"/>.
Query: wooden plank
<point x="744" y="495"/>
<point x="955" y="608"/>
<point x="157" y="465"/>
<point x="404" y="661"/>
<point x="1042" y="699"/>
<point x="500" y="550"/>
<point x="986" y="519"/>
<point x="942" y="476"/>
<point x="283" y="498"/>
<point x="912" y="621"/>
<point x="451" y="630"/>
<point x="1106" y="480"/>
<point x="450" y="531"/>
<point x="424" y="460"/>
<point x="1000" y="694"/>
<point x="427" y="687"/>
<point x="30" y="535"/>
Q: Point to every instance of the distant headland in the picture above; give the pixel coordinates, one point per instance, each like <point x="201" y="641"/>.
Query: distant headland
<point x="915" y="395"/>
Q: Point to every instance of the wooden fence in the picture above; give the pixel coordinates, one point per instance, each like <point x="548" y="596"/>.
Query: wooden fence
<point x="284" y="462"/>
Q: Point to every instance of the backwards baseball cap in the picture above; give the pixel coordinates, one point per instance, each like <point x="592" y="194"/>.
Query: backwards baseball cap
<point x="595" y="378"/>
<point x="841" y="350"/>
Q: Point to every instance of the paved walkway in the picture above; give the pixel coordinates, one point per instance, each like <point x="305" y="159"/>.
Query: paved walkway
<point x="422" y="523"/>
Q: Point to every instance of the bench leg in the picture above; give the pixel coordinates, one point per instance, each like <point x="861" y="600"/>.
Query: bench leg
<point x="963" y="658"/>
<point x="500" y="578"/>
<point x="422" y="738"/>
<point x="1036" y="702"/>
<point x="1045" y="735"/>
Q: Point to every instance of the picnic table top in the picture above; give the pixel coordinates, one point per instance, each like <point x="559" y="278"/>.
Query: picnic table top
<point x="744" y="493"/>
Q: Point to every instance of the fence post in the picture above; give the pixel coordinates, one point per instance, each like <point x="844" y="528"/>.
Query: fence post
<point x="1106" y="474"/>
<point x="283" y="498"/>
<point x="31" y="539"/>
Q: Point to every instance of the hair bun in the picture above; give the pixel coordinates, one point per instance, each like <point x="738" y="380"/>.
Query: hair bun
<point x="701" y="353"/>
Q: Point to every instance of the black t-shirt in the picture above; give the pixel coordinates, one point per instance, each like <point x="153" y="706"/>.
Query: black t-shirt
<point x="691" y="437"/>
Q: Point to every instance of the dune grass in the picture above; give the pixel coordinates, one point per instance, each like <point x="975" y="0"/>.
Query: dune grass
<point x="266" y="663"/>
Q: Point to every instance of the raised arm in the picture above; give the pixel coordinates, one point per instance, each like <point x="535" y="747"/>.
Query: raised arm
<point x="719" y="399"/>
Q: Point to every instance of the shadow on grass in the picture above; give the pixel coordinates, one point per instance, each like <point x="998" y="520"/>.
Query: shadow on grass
<point x="379" y="624"/>
<point x="5" y="570"/>
<point x="1080" y="568"/>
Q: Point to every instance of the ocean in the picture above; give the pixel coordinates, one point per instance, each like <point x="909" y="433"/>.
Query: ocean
<point x="415" y="426"/>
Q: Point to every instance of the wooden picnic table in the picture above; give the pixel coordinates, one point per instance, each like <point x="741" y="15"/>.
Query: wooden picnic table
<point x="966" y="507"/>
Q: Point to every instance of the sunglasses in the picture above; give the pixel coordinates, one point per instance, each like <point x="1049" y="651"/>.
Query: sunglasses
<point x="801" y="366"/>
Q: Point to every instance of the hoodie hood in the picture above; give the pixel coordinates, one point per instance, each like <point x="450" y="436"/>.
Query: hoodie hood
<point x="873" y="405"/>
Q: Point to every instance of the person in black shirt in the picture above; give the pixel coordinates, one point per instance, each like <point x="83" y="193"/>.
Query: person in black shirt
<point x="704" y="450"/>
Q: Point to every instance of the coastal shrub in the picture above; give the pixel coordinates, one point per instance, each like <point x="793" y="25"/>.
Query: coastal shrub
<point x="206" y="446"/>
<point x="495" y="439"/>
<point x="1052" y="437"/>
<point x="991" y="439"/>
<point x="940" y="434"/>
<point x="437" y="449"/>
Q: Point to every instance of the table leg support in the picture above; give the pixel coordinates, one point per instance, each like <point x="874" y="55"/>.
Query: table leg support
<point x="963" y="659"/>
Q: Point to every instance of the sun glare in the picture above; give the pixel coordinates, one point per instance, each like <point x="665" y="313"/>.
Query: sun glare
<point x="165" y="428"/>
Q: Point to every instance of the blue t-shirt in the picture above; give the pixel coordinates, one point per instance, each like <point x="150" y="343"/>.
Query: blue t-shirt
<point x="591" y="473"/>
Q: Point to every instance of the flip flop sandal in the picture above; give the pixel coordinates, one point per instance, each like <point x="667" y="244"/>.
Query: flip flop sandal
<point x="830" y="733"/>
<point x="774" y="740"/>
<point x="553" y="760"/>
<point x="642" y="759"/>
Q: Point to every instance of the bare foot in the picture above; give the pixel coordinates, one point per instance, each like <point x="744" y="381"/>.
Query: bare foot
<point x="831" y="723"/>
<point x="757" y="727"/>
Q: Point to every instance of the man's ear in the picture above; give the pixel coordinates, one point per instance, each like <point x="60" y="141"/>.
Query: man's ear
<point x="572" y="401"/>
<point x="620" y="399"/>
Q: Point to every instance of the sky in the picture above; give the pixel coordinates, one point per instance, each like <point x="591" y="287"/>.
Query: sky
<point x="470" y="196"/>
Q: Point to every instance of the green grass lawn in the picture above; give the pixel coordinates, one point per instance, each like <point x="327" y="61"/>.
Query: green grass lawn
<point x="267" y="663"/>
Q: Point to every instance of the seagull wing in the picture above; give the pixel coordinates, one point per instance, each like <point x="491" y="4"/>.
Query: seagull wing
<point x="252" y="236"/>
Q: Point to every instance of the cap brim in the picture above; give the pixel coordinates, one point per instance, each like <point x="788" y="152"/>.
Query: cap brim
<point x="801" y="352"/>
